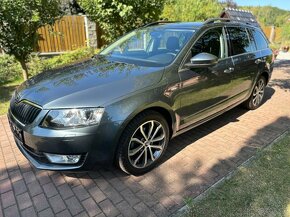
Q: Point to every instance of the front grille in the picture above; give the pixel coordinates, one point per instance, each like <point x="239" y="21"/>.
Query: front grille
<point x="24" y="111"/>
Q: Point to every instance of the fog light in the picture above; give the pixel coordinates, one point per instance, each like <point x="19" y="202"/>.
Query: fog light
<point x="63" y="159"/>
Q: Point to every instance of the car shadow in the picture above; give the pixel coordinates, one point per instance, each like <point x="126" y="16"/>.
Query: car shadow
<point x="203" y="130"/>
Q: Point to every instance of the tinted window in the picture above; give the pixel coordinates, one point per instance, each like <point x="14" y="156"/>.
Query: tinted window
<point x="260" y="40"/>
<point x="211" y="42"/>
<point x="252" y="40"/>
<point x="239" y="40"/>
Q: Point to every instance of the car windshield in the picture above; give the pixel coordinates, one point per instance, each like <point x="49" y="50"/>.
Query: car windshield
<point x="151" y="46"/>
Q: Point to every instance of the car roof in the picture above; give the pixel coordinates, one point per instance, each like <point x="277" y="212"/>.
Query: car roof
<point x="196" y="25"/>
<point x="177" y="25"/>
<point x="183" y="25"/>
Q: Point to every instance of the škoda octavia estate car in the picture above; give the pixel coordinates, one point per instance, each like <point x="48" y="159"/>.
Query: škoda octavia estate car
<point x="124" y="104"/>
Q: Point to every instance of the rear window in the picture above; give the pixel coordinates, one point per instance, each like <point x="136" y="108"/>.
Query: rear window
<point x="260" y="40"/>
<point x="239" y="40"/>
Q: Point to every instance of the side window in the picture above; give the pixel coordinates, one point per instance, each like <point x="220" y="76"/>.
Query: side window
<point x="260" y="40"/>
<point x="239" y="40"/>
<point x="210" y="42"/>
<point x="252" y="40"/>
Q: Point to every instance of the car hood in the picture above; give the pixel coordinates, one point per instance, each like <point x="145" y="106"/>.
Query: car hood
<point x="93" y="82"/>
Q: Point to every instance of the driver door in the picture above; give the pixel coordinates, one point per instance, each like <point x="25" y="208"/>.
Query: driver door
<point x="205" y="91"/>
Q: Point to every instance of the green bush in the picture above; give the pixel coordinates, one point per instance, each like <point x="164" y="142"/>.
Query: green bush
<point x="10" y="69"/>
<point x="37" y="65"/>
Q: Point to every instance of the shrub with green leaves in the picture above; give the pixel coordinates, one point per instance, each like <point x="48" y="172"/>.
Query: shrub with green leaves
<point x="116" y="17"/>
<point x="191" y="10"/>
<point x="10" y="69"/>
<point x="37" y="65"/>
<point x="19" y="22"/>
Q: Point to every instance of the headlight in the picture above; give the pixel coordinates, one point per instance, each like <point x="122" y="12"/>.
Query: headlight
<point x="66" y="118"/>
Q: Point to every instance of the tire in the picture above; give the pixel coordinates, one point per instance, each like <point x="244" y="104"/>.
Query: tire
<point x="142" y="145"/>
<point x="257" y="95"/>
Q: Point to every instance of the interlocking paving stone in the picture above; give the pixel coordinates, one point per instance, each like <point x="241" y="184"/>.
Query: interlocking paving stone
<point x="40" y="202"/>
<point x="11" y="211"/>
<point x="108" y="208"/>
<point x="64" y="213"/>
<point x="8" y="199"/>
<point x="46" y="213"/>
<point x="57" y="203"/>
<point x="91" y="207"/>
<point x="49" y="189"/>
<point x="65" y="191"/>
<point x="74" y="205"/>
<point x="24" y="201"/>
<point x="193" y="162"/>
<point x="29" y="212"/>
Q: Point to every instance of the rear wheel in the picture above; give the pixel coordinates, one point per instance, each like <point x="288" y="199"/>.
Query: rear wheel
<point x="257" y="95"/>
<point x="143" y="143"/>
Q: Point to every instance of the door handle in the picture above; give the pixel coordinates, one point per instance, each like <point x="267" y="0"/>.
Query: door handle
<point x="258" y="61"/>
<point x="229" y="70"/>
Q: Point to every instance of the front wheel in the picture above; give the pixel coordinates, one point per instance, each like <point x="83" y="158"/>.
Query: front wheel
<point x="143" y="143"/>
<point x="257" y="95"/>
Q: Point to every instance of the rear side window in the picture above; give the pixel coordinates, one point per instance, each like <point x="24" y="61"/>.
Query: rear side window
<point x="239" y="41"/>
<point x="260" y="40"/>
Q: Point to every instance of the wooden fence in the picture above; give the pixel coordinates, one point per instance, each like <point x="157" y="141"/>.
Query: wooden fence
<point x="68" y="33"/>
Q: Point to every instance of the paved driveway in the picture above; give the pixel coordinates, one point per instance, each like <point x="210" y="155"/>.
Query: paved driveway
<point x="195" y="161"/>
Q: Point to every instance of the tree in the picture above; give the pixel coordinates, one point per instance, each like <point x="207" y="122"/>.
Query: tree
<point x="116" y="17"/>
<point x="286" y="34"/>
<point x="268" y="15"/>
<point x="191" y="10"/>
<point x="19" y="21"/>
<point x="229" y="4"/>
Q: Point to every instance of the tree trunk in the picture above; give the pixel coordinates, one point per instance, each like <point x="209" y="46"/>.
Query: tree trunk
<point x="272" y="34"/>
<point x="24" y="69"/>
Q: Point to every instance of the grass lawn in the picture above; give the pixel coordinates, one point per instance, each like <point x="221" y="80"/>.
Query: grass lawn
<point x="6" y="91"/>
<point x="259" y="189"/>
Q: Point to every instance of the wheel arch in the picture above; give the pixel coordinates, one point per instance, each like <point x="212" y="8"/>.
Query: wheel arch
<point x="266" y="75"/>
<point x="163" y="109"/>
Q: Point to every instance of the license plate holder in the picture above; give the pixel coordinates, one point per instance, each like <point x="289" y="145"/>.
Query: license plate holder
<point x="17" y="132"/>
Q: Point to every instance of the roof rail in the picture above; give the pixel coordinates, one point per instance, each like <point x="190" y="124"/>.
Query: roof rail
<point x="158" y="22"/>
<point x="212" y="20"/>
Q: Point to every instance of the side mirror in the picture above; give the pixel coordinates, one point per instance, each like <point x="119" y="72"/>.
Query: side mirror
<point x="202" y="60"/>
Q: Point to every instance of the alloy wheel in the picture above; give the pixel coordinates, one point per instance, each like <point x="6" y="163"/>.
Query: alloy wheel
<point x="147" y="144"/>
<point x="258" y="92"/>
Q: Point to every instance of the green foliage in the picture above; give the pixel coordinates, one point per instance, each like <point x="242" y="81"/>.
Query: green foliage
<point x="268" y="15"/>
<point x="10" y="69"/>
<point x="117" y="17"/>
<point x="191" y="10"/>
<point x="19" y="21"/>
<point x="275" y="46"/>
<point x="286" y="34"/>
<point x="37" y="65"/>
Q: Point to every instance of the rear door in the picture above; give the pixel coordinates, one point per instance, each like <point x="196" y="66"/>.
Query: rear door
<point x="263" y="53"/>
<point x="244" y="54"/>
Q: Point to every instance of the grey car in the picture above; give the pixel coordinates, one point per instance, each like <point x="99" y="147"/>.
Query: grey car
<point x="123" y="105"/>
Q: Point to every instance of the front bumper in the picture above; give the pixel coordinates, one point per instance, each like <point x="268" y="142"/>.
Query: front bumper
<point x="95" y="144"/>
